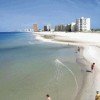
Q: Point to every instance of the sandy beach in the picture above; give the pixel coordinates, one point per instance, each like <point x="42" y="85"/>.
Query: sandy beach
<point x="91" y="52"/>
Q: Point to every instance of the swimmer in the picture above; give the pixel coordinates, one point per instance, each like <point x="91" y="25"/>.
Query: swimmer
<point x="48" y="97"/>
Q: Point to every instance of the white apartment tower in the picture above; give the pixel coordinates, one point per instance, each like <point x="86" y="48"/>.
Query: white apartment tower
<point x="48" y="27"/>
<point x="73" y="26"/>
<point x="83" y="24"/>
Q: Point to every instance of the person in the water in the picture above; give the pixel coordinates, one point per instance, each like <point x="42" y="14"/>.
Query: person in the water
<point x="48" y="97"/>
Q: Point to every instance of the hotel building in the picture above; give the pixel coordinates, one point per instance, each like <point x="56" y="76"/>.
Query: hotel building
<point x="83" y="24"/>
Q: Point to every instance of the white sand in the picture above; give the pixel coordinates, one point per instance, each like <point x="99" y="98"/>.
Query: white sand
<point x="91" y="52"/>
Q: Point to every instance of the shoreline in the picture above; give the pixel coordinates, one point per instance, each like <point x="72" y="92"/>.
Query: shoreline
<point x="92" y="80"/>
<point x="91" y="48"/>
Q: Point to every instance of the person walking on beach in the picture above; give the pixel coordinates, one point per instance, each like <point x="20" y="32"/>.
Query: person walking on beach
<point x="92" y="67"/>
<point x="78" y="49"/>
<point x="48" y="97"/>
<point x="97" y="97"/>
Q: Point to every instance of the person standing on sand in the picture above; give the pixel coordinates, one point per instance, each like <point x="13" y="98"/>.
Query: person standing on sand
<point x="97" y="97"/>
<point x="78" y="49"/>
<point x="48" y="97"/>
<point x="92" y="67"/>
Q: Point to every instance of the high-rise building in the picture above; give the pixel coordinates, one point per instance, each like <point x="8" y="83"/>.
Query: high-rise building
<point x="73" y="27"/>
<point x="47" y="27"/>
<point x="35" y="27"/>
<point x="83" y="24"/>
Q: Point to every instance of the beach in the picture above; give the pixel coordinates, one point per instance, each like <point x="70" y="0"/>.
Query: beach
<point x="91" y="52"/>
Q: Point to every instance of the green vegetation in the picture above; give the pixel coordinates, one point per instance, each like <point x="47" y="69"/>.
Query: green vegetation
<point x="49" y="36"/>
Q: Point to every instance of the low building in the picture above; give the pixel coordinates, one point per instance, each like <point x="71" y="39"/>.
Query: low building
<point x="68" y="28"/>
<point x="60" y="27"/>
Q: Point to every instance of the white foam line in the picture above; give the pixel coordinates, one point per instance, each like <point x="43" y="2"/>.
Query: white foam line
<point x="70" y="72"/>
<point x="56" y="76"/>
<point x="59" y="71"/>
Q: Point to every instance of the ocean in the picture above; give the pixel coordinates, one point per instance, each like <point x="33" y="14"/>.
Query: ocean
<point x="30" y="69"/>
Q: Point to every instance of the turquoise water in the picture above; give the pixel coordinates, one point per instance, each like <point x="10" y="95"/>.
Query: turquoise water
<point x="29" y="71"/>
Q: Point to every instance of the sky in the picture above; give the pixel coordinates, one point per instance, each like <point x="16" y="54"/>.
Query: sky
<point x="21" y="14"/>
